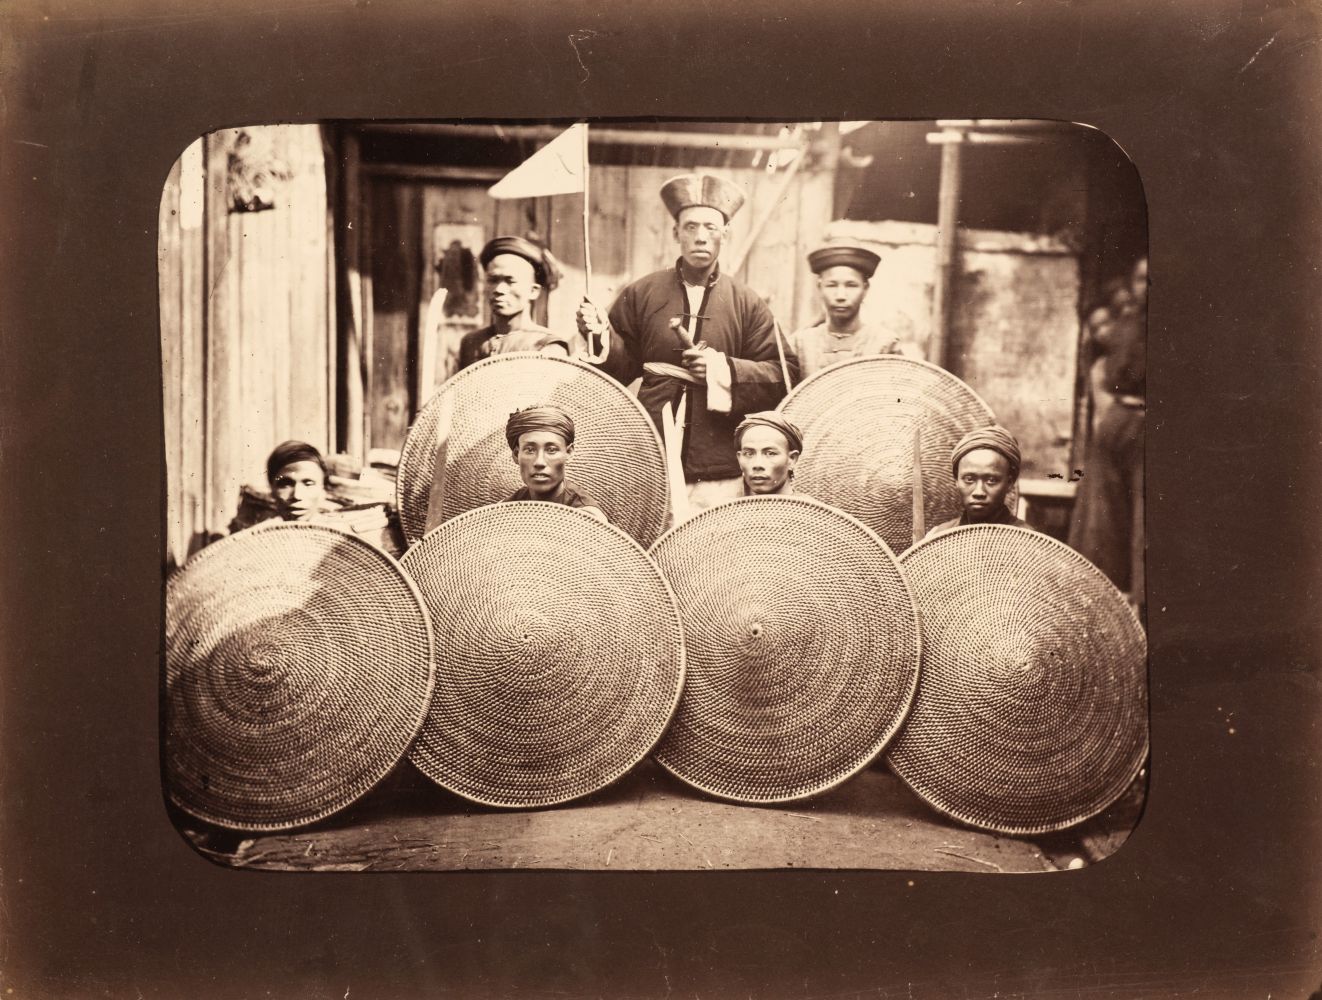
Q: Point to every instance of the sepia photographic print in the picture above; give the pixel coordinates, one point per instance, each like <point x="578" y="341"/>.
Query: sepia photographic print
<point x="384" y="728"/>
<point x="629" y="495"/>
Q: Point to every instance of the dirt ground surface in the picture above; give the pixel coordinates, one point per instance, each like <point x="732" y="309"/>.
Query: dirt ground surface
<point x="650" y="820"/>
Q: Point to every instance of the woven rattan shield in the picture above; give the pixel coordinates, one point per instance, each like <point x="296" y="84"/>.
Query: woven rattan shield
<point x="1031" y="713"/>
<point x="559" y="649"/>
<point x="858" y="420"/>
<point x="802" y="642"/>
<point x="618" y="460"/>
<point x="298" y="668"/>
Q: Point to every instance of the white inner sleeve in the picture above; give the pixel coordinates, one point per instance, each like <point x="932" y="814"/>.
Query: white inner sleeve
<point x="694" y="293"/>
<point x="719" y="397"/>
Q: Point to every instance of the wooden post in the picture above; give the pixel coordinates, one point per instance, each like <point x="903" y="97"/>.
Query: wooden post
<point x="224" y="389"/>
<point x="367" y="348"/>
<point x="947" y="240"/>
<point x="355" y="359"/>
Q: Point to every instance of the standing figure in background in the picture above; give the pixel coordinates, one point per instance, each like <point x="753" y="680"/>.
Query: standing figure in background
<point x="1096" y="339"/>
<point x="1107" y="527"/>
<point x="697" y="316"/>
<point x="515" y="275"/>
<point x="843" y="271"/>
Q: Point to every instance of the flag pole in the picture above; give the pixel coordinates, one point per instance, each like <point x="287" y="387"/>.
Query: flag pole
<point x="594" y="357"/>
<point x="587" y="253"/>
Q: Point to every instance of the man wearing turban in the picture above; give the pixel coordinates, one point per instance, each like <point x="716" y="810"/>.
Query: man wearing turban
<point x="843" y="271"/>
<point x="985" y="464"/>
<point x="516" y="273"/>
<point x="768" y="447"/>
<point x="697" y="316"/>
<point x="541" y="440"/>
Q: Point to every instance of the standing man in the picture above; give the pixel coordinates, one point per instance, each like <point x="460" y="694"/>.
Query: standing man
<point x="515" y="275"/>
<point x="1108" y="525"/>
<point x="695" y="316"/>
<point x="843" y="272"/>
<point x="985" y="464"/>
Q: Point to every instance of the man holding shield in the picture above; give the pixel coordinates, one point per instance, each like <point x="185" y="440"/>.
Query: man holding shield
<point x="541" y="440"/>
<point x="985" y="464"/>
<point x="701" y="341"/>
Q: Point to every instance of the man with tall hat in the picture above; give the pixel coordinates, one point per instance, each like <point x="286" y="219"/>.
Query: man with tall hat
<point x="694" y="333"/>
<point x="516" y="274"/>
<point x="843" y="270"/>
<point x="541" y="440"/>
<point x="985" y="464"/>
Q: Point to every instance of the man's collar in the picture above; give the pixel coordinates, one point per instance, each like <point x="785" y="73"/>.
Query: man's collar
<point x="1001" y="516"/>
<point x="711" y="278"/>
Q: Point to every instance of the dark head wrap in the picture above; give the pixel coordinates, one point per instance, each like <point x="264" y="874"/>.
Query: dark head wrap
<point x="538" y="418"/>
<point x="860" y="258"/>
<point x="770" y="418"/>
<point x="998" y="439"/>
<point x="290" y="452"/>
<point x="519" y="247"/>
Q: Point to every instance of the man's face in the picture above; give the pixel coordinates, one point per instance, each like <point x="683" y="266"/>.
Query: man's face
<point x="1122" y="300"/>
<point x="765" y="460"/>
<point x="541" y="457"/>
<point x="842" y="290"/>
<point x="700" y="231"/>
<point x="298" y="490"/>
<point x="511" y="285"/>
<point x="983" y="480"/>
<point x="1138" y="281"/>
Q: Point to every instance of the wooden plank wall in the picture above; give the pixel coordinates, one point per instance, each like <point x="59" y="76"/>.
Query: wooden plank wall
<point x="179" y="273"/>
<point x="246" y="326"/>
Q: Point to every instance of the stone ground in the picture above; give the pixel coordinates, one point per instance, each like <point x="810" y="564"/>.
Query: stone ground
<point x="650" y="820"/>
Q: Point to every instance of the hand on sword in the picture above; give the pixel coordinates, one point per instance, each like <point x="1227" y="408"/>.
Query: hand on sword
<point x="594" y="328"/>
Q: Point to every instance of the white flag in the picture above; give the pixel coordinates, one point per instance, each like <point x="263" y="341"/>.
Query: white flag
<point x="556" y="168"/>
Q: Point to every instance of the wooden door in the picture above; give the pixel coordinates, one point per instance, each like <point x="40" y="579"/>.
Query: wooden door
<point x="421" y="235"/>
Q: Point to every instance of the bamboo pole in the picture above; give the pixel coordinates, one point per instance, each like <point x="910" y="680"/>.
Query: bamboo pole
<point x="760" y="223"/>
<point x="947" y="238"/>
<point x="602" y="136"/>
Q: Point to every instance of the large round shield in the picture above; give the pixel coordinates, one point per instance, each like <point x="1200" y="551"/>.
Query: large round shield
<point x="802" y="643"/>
<point x="298" y="668"/>
<point x="559" y="649"/>
<point x="1031" y="713"/>
<point x="858" y="420"/>
<point x="617" y="461"/>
